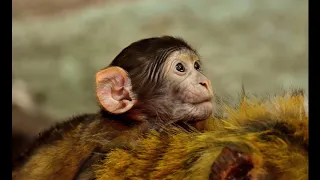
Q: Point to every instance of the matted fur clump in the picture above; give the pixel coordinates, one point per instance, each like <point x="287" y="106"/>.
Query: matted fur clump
<point x="261" y="139"/>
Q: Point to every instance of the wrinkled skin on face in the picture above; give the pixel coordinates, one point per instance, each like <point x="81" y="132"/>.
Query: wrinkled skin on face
<point x="190" y="92"/>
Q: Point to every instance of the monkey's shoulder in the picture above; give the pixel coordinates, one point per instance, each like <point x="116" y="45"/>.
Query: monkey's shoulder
<point x="58" y="130"/>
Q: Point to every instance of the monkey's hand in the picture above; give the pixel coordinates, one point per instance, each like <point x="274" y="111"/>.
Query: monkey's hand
<point x="232" y="164"/>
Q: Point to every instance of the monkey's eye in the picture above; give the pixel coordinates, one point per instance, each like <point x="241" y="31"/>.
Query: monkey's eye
<point x="180" y="67"/>
<point x="197" y="66"/>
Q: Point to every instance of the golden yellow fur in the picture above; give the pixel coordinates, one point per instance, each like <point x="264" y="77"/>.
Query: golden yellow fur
<point x="274" y="132"/>
<point x="60" y="152"/>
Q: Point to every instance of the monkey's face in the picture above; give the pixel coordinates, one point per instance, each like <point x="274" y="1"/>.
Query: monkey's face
<point x="190" y="90"/>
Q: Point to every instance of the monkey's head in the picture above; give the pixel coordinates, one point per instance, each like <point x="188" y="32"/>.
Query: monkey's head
<point x="158" y="79"/>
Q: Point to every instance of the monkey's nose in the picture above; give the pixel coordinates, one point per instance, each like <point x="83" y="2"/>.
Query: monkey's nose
<point x="205" y="84"/>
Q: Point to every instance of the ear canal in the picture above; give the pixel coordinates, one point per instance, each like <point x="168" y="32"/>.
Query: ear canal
<point x="114" y="90"/>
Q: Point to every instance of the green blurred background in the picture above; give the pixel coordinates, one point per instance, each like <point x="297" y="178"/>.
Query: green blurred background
<point x="58" y="46"/>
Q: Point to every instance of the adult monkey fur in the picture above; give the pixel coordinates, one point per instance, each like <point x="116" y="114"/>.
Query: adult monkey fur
<point x="152" y="83"/>
<point x="260" y="140"/>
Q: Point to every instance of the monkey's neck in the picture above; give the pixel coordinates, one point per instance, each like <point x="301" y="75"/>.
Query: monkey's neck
<point x="127" y="119"/>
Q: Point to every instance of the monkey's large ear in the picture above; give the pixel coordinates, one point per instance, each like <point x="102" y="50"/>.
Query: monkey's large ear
<point x="114" y="90"/>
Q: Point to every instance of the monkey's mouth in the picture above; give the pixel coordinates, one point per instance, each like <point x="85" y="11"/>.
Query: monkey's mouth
<point x="202" y="101"/>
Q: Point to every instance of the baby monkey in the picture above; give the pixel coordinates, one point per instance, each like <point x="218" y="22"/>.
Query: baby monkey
<point x="152" y="83"/>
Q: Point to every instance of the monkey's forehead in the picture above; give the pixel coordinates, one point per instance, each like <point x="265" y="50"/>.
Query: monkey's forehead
<point x="185" y="55"/>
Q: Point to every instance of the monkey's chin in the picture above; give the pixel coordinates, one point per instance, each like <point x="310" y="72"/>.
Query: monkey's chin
<point x="204" y="109"/>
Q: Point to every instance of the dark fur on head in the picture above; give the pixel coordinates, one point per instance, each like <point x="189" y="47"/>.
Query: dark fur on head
<point x="144" y="61"/>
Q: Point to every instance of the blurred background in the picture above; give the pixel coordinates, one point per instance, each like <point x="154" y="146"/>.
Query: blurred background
<point x="58" y="46"/>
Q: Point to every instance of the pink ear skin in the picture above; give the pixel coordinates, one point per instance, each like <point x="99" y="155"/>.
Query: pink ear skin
<point x="114" y="90"/>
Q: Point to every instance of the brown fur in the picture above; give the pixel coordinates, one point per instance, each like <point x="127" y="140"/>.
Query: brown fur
<point x="61" y="151"/>
<point x="271" y="135"/>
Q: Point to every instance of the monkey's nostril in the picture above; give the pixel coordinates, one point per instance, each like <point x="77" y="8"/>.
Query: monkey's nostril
<point x="204" y="84"/>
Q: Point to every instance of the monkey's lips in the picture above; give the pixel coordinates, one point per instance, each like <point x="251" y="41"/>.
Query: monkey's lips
<point x="207" y="104"/>
<point x="202" y="101"/>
